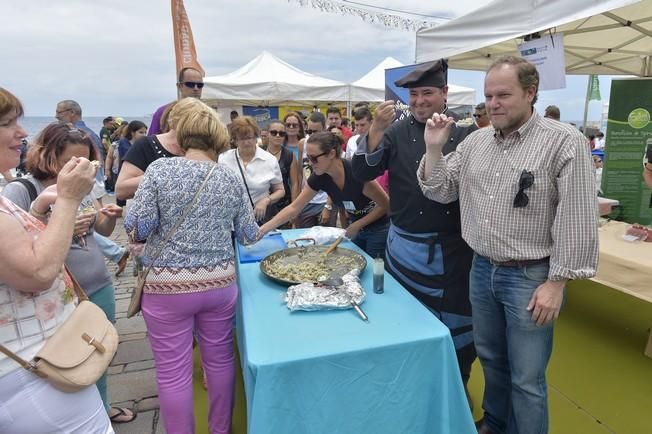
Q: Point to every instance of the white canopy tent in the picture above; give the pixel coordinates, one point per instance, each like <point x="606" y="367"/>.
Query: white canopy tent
<point x="371" y="86"/>
<point x="600" y="36"/>
<point x="268" y="81"/>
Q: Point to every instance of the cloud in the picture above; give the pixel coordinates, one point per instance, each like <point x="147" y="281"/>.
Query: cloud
<point x="118" y="57"/>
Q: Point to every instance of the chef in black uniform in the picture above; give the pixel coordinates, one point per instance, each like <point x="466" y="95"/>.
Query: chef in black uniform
<point x="425" y="251"/>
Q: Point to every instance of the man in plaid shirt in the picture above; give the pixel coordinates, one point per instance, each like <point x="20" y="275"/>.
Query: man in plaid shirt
<point x="528" y="208"/>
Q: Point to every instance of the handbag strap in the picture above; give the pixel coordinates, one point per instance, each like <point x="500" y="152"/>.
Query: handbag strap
<point x="22" y="362"/>
<point x="183" y="216"/>
<point x="244" y="179"/>
<point x="76" y="287"/>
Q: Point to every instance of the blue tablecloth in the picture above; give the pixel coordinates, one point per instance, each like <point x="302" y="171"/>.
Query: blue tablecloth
<point x="330" y="372"/>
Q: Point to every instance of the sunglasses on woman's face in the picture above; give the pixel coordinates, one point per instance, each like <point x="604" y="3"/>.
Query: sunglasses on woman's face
<point x="291" y="125"/>
<point x="277" y="133"/>
<point x="315" y="158"/>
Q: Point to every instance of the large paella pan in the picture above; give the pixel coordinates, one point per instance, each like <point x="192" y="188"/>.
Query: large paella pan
<point x="309" y="264"/>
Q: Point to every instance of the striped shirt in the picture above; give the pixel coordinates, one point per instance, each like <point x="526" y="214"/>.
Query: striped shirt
<point x="560" y="219"/>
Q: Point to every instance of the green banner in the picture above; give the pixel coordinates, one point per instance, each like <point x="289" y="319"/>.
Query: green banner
<point x="628" y="128"/>
<point x="594" y="88"/>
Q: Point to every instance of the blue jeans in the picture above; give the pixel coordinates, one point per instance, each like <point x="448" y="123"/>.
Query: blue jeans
<point x="513" y="350"/>
<point x="373" y="241"/>
<point x="109" y="249"/>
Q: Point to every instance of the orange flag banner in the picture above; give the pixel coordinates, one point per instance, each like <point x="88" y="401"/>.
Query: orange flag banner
<point x="184" y="44"/>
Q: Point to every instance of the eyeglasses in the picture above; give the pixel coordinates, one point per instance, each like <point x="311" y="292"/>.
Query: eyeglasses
<point x="193" y="84"/>
<point x="315" y="158"/>
<point x="277" y="133"/>
<point x="475" y="115"/>
<point x="525" y="181"/>
<point x="310" y="131"/>
<point x="63" y="111"/>
<point x="291" y="125"/>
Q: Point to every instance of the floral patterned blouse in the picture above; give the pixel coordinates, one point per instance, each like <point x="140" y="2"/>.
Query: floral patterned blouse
<point x="28" y="319"/>
<point x="199" y="256"/>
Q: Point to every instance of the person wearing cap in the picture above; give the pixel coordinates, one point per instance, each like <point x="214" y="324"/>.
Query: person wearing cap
<point x="190" y="84"/>
<point x="425" y="251"/>
<point x="530" y="218"/>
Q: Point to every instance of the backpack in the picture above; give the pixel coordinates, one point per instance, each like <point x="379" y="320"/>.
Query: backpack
<point x="29" y="186"/>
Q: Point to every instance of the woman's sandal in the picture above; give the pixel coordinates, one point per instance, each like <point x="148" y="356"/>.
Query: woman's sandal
<point x="119" y="417"/>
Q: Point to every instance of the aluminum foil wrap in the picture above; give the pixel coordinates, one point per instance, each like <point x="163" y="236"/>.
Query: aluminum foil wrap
<point x="311" y="296"/>
<point x="323" y="234"/>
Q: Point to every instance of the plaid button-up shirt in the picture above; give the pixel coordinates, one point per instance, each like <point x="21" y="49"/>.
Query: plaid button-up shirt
<point x="560" y="219"/>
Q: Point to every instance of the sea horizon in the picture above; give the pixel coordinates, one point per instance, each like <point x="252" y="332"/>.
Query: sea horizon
<point x="34" y="124"/>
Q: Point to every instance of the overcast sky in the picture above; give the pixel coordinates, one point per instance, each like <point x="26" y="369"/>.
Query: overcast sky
<point x="117" y="57"/>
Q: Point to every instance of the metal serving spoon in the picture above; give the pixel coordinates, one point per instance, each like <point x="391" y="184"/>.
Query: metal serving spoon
<point x="336" y="282"/>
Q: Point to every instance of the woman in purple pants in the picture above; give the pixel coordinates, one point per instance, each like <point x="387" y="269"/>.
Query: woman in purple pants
<point x="192" y="283"/>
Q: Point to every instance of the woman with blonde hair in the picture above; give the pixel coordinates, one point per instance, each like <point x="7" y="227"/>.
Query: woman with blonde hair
<point x="192" y="283"/>
<point x="35" y="294"/>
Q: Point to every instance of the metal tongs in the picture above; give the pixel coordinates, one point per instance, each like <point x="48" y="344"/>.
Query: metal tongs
<point x="336" y="282"/>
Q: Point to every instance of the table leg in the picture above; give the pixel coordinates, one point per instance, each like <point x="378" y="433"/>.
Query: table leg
<point x="648" y="347"/>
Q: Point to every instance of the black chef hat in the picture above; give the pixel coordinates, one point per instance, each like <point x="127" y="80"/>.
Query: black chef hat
<point x="433" y="73"/>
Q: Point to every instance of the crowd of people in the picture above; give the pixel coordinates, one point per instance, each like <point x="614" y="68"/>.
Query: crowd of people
<point x="476" y="222"/>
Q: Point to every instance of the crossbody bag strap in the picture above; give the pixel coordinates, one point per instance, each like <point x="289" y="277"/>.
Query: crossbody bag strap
<point x="76" y="287"/>
<point x="22" y="362"/>
<point x="244" y="179"/>
<point x="183" y="216"/>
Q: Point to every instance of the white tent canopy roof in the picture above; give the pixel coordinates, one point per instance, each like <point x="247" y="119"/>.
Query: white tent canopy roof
<point x="460" y="95"/>
<point x="600" y="36"/>
<point x="371" y="86"/>
<point x="271" y="81"/>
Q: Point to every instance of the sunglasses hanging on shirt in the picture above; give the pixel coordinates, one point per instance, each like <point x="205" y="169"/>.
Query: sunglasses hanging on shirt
<point x="525" y="181"/>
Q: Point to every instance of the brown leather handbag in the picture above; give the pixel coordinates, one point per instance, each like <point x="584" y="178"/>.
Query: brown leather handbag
<point x="79" y="352"/>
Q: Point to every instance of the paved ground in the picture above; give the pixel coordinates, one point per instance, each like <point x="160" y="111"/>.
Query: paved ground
<point x="131" y="374"/>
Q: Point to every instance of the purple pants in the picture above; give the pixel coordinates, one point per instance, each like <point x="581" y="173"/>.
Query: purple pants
<point x="170" y="321"/>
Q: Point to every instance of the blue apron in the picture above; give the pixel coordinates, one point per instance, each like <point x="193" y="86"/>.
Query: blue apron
<point x="434" y="268"/>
